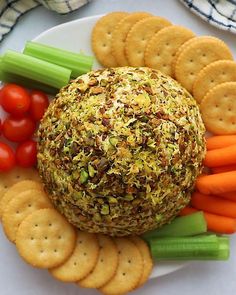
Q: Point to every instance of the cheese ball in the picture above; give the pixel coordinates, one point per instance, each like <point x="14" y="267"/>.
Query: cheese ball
<point x="119" y="150"/>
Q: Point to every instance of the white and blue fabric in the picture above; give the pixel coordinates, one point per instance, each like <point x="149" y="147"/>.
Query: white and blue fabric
<point x="219" y="13"/>
<point x="12" y="10"/>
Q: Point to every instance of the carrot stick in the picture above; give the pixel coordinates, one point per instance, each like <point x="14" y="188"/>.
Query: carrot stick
<point x="187" y="211"/>
<point x="216" y="184"/>
<point x="213" y="204"/>
<point x="221" y="157"/>
<point x="220" y="141"/>
<point x="225" y="168"/>
<point x="215" y="223"/>
<point x="229" y="196"/>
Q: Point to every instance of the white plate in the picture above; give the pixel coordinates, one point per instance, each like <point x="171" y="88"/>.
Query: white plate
<point x="75" y="36"/>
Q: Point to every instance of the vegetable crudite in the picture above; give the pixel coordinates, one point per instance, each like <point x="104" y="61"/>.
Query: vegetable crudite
<point x="119" y="150"/>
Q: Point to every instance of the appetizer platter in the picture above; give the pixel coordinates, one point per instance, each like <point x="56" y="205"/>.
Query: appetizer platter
<point x="117" y="154"/>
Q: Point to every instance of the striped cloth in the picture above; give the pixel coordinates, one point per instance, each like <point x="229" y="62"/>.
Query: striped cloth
<point x="11" y="10"/>
<point x="219" y="13"/>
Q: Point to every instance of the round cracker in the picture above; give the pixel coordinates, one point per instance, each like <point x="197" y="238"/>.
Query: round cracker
<point x="180" y="49"/>
<point x="138" y="37"/>
<point x="20" y="207"/>
<point x="15" y="175"/>
<point x="196" y="55"/>
<point x="106" y="265"/>
<point x="183" y="46"/>
<point x="120" y="33"/>
<point x="213" y="74"/>
<point x="162" y="47"/>
<point x="81" y="262"/>
<point x="45" y="239"/>
<point x="147" y="259"/>
<point x="102" y="36"/>
<point x="129" y="270"/>
<point x="16" y="189"/>
<point x="218" y="109"/>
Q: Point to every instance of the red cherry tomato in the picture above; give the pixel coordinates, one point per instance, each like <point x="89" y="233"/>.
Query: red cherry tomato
<point x="15" y="99"/>
<point x="7" y="158"/>
<point x="39" y="104"/>
<point x="26" y="154"/>
<point x="18" y="129"/>
<point x="0" y="96"/>
<point x="0" y="126"/>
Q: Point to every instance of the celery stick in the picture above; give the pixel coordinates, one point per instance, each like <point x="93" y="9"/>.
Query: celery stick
<point x="35" y="69"/>
<point x="11" y="78"/>
<point x="208" y="247"/>
<point x="78" y="63"/>
<point x="188" y="225"/>
<point x="223" y="253"/>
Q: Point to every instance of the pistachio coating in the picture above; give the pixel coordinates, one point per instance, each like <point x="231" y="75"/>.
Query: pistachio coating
<point x="119" y="150"/>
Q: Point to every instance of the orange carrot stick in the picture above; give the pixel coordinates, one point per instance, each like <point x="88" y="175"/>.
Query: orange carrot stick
<point x="229" y="196"/>
<point x="220" y="141"/>
<point x="187" y="211"/>
<point x="213" y="204"/>
<point x="221" y="157"/>
<point x="225" y="168"/>
<point x="215" y="223"/>
<point x="216" y="184"/>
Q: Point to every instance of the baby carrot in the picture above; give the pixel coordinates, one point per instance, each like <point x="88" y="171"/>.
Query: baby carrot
<point x="213" y="204"/>
<point x="220" y="141"/>
<point x="225" y="168"/>
<point x="220" y="224"/>
<point x="187" y="211"/>
<point x="229" y="196"/>
<point x="221" y="157"/>
<point x="216" y="184"/>
<point x="215" y="223"/>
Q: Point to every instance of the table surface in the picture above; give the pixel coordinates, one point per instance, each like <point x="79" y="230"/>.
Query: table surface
<point x="210" y="278"/>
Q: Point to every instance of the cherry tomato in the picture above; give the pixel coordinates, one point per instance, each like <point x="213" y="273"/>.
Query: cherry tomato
<point x="15" y="99"/>
<point x="0" y="96"/>
<point x="7" y="157"/>
<point x="18" y="129"/>
<point x="0" y="126"/>
<point x="39" y="104"/>
<point x="26" y="154"/>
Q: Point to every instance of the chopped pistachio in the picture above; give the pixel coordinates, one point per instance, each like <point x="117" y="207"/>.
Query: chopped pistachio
<point x="75" y="174"/>
<point x="144" y="119"/>
<point x="91" y="170"/>
<point x="105" y="209"/>
<point x="66" y="149"/>
<point x="82" y="87"/>
<point x="113" y="141"/>
<point x="97" y="217"/>
<point x="158" y="217"/>
<point x="128" y="197"/>
<point x="112" y="200"/>
<point x="143" y="100"/>
<point x="83" y="176"/>
<point x="77" y="195"/>
<point x="151" y="143"/>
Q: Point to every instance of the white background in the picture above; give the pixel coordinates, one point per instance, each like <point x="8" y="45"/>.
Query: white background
<point x="211" y="278"/>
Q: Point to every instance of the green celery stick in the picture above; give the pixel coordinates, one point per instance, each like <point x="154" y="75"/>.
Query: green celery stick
<point x="11" y="78"/>
<point x="78" y="63"/>
<point x="35" y="69"/>
<point x="224" y="249"/>
<point x="208" y="247"/>
<point x="188" y="225"/>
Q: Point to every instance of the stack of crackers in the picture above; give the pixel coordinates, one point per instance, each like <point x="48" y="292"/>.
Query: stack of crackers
<point x="203" y="65"/>
<point x="45" y="239"/>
